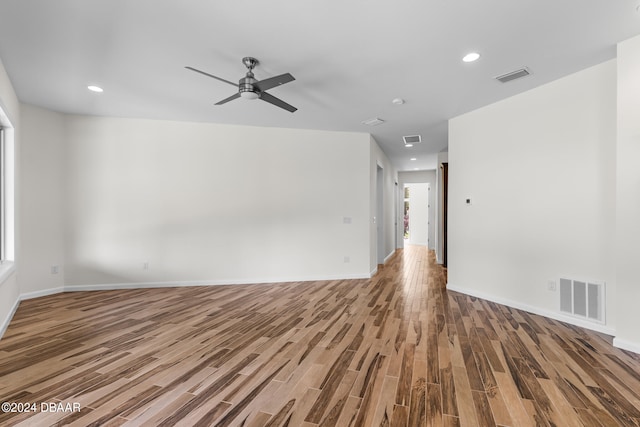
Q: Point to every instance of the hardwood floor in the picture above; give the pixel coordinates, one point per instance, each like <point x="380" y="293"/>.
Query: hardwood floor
<point x="398" y="349"/>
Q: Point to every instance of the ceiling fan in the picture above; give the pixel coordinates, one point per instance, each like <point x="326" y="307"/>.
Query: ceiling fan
<point x="250" y="88"/>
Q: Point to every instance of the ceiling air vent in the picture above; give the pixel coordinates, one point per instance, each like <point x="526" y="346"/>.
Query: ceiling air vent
<point x="523" y="72"/>
<point x="412" y="139"/>
<point x="373" y="122"/>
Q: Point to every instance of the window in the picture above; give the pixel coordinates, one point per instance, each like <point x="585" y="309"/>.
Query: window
<point x="2" y="196"/>
<point x="7" y="213"/>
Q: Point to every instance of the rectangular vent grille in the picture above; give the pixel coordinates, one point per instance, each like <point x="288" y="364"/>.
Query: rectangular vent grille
<point x="582" y="298"/>
<point x="373" y="122"/>
<point x="412" y="139"/>
<point x="517" y="74"/>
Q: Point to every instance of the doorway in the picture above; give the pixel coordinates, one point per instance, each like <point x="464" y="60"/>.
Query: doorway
<point x="416" y="214"/>
<point x="380" y="214"/>
<point x="445" y="208"/>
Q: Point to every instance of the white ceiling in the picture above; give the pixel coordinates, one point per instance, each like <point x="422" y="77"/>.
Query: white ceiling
<point x="349" y="58"/>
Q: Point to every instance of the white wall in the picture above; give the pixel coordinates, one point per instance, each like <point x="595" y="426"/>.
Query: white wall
<point x="540" y="170"/>
<point x="413" y="177"/>
<point x="197" y="203"/>
<point x="212" y="203"/>
<point x="628" y="196"/>
<point x="42" y="201"/>
<point x="9" y="290"/>
<point x="390" y="178"/>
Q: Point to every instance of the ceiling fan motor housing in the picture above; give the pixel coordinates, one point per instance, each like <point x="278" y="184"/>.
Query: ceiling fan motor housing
<point x="246" y="87"/>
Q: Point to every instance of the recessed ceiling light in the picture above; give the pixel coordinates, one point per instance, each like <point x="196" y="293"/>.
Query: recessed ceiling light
<point x="93" y="88"/>
<point x="398" y="101"/>
<point x="470" y="57"/>
<point x="408" y="145"/>
<point x="413" y="158"/>
<point x="416" y="169"/>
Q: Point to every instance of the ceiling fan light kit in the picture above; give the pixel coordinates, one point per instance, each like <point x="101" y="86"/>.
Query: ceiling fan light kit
<point x="248" y="94"/>
<point x="250" y="88"/>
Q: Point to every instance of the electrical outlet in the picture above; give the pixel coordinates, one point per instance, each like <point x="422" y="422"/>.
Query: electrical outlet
<point x="54" y="269"/>
<point x="347" y="259"/>
<point x="145" y="265"/>
<point x="551" y="285"/>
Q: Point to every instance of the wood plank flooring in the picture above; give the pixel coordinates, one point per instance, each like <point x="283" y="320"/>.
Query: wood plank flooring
<point x="398" y="349"/>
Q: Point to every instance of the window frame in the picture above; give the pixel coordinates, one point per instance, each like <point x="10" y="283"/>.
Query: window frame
<point x="2" y="195"/>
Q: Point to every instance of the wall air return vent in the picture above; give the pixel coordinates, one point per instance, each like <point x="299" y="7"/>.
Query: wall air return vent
<point x="513" y="75"/>
<point x="412" y="139"/>
<point x="582" y="298"/>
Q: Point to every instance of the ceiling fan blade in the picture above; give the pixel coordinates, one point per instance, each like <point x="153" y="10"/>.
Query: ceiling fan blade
<point x="212" y="76"/>
<point x="277" y="102"/>
<point x="267" y="84"/>
<point x="231" y="98"/>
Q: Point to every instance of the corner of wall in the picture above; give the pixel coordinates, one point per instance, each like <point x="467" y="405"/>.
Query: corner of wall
<point x="627" y="203"/>
<point x="389" y="180"/>
<point x="626" y="345"/>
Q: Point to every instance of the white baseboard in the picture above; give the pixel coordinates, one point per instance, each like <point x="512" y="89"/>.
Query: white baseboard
<point x="375" y="269"/>
<point x="142" y="285"/>
<point x="38" y="294"/>
<point x="22" y="297"/>
<point x="626" y="345"/>
<point x="178" y="284"/>
<point x="536" y="310"/>
<point x="7" y="320"/>
<point x="388" y="257"/>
